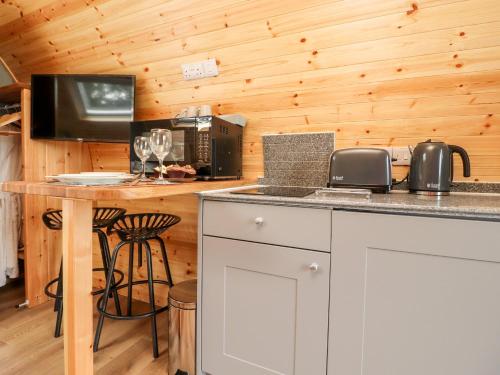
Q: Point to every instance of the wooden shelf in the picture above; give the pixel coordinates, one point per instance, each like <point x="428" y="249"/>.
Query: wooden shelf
<point x="9" y="118"/>
<point x="11" y="94"/>
<point x="9" y="132"/>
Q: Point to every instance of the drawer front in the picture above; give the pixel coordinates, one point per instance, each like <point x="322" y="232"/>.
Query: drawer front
<point x="306" y="228"/>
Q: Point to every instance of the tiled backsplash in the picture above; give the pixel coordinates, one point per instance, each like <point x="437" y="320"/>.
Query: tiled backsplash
<point x="297" y="159"/>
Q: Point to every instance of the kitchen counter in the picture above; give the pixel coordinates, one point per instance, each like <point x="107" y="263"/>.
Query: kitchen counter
<point x="478" y="206"/>
<point x="116" y="192"/>
<point x="344" y="279"/>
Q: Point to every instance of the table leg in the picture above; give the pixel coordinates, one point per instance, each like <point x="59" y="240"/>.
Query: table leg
<point x="77" y="286"/>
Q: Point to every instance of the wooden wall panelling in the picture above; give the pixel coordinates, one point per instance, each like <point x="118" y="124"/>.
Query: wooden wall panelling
<point x="166" y="35"/>
<point x="180" y="241"/>
<point x="346" y="12"/>
<point x="13" y="11"/>
<point x="320" y="39"/>
<point x="62" y="157"/>
<point x="34" y="13"/>
<point x="37" y="258"/>
<point x="41" y="158"/>
<point x="119" y="14"/>
<point x="379" y="73"/>
<point x="109" y="157"/>
<point x="338" y="12"/>
<point x="282" y="46"/>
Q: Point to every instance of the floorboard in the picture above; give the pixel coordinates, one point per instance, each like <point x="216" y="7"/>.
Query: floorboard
<point x="27" y="345"/>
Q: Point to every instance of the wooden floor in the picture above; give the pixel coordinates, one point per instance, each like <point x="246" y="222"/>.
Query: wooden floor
<point x="27" y="344"/>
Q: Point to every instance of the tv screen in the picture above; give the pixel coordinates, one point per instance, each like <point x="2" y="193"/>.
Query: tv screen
<point x="82" y="107"/>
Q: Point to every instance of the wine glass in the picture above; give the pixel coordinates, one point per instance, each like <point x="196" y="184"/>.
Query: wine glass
<point x="161" y="142"/>
<point x="143" y="151"/>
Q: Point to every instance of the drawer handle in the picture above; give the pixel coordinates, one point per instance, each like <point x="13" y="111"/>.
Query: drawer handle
<point x="314" y="267"/>
<point x="259" y="220"/>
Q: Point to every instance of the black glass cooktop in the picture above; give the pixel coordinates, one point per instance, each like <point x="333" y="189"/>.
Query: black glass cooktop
<point x="278" y="191"/>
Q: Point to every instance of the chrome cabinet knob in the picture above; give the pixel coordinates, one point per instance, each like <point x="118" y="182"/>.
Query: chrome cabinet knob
<point x="259" y="220"/>
<point x="314" y="267"/>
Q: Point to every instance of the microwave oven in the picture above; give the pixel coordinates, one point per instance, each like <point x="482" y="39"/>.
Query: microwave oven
<point x="211" y="145"/>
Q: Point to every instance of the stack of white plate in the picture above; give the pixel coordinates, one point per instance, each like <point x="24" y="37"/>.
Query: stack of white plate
<point x="93" y="178"/>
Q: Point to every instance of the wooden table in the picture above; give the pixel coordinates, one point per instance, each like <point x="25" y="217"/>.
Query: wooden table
<point x="77" y="251"/>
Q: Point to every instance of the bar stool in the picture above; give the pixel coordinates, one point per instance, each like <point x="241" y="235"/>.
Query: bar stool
<point x="103" y="217"/>
<point x="138" y="229"/>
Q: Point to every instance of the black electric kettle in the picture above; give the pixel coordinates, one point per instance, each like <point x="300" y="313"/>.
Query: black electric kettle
<point x="431" y="169"/>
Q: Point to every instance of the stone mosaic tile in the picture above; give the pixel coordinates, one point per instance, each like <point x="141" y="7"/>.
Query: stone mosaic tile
<point x="297" y="159"/>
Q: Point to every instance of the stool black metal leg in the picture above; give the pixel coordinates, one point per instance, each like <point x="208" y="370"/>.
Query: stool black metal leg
<point x="58" y="301"/>
<point x="130" y="277"/>
<point x="165" y="260"/>
<point x="103" y="241"/>
<point x="152" y="299"/>
<point x="58" y="304"/>
<point x="139" y="254"/>
<point x="57" y="332"/>
<point x="105" y="297"/>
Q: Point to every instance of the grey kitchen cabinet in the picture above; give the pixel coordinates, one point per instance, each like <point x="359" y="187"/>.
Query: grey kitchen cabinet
<point x="414" y="295"/>
<point x="264" y="308"/>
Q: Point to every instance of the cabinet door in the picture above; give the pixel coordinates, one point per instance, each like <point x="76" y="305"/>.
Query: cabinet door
<point x="414" y="295"/>
<point x="264" y="309"/>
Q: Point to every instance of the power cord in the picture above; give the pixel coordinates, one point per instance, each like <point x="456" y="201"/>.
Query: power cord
<point x="396" y="182"/>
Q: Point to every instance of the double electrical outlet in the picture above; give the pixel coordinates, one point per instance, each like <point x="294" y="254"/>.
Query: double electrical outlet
<point x="399" y="155"/>
<point x="200" y="69"/>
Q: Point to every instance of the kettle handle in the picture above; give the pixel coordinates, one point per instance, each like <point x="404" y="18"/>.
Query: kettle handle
<point x="465" y="159"/>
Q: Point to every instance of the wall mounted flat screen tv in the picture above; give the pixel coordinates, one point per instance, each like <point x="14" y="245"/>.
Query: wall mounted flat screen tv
<point x="95" y="108"/>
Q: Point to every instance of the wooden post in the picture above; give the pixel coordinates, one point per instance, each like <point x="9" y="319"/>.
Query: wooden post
<point x="77" y="285"/>
<point x="36" y="253"/>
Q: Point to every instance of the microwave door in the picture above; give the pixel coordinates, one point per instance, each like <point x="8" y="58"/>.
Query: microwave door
<point x="183" y="146"/>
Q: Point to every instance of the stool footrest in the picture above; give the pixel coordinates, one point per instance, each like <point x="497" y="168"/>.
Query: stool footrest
<point x="94" y="293"/>
<point x="148" y="314"/>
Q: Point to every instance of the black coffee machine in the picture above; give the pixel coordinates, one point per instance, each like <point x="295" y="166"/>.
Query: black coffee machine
<point x="431" y="169"/>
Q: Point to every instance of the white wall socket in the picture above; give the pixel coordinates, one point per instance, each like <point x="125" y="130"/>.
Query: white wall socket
<point x="402" y="156"/>
<point x="200" y="69"/>
<point x="399" y="155"/>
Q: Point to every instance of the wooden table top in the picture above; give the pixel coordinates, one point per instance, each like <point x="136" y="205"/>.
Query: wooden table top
<point x="125" y="192"/>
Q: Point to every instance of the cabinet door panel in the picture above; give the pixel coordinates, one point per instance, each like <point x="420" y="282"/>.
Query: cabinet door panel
<point x="263" y="310"/>
<point x="407" y="300"/>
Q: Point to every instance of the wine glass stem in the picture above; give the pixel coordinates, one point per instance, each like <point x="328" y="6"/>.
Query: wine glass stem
<point x="143" y="175"/>
<point x="160" y="177"/>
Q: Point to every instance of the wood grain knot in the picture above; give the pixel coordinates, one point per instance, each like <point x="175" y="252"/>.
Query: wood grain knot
<point x="414" y="8"/>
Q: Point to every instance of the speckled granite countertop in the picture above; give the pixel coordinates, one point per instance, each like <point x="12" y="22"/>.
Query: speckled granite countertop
<point x="477" y="206"/>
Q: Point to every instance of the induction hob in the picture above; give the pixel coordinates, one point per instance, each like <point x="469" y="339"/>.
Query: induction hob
<point x="278" y="191"/>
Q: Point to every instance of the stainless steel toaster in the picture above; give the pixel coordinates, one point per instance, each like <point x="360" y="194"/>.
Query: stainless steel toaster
<point x="364" y="168"/>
